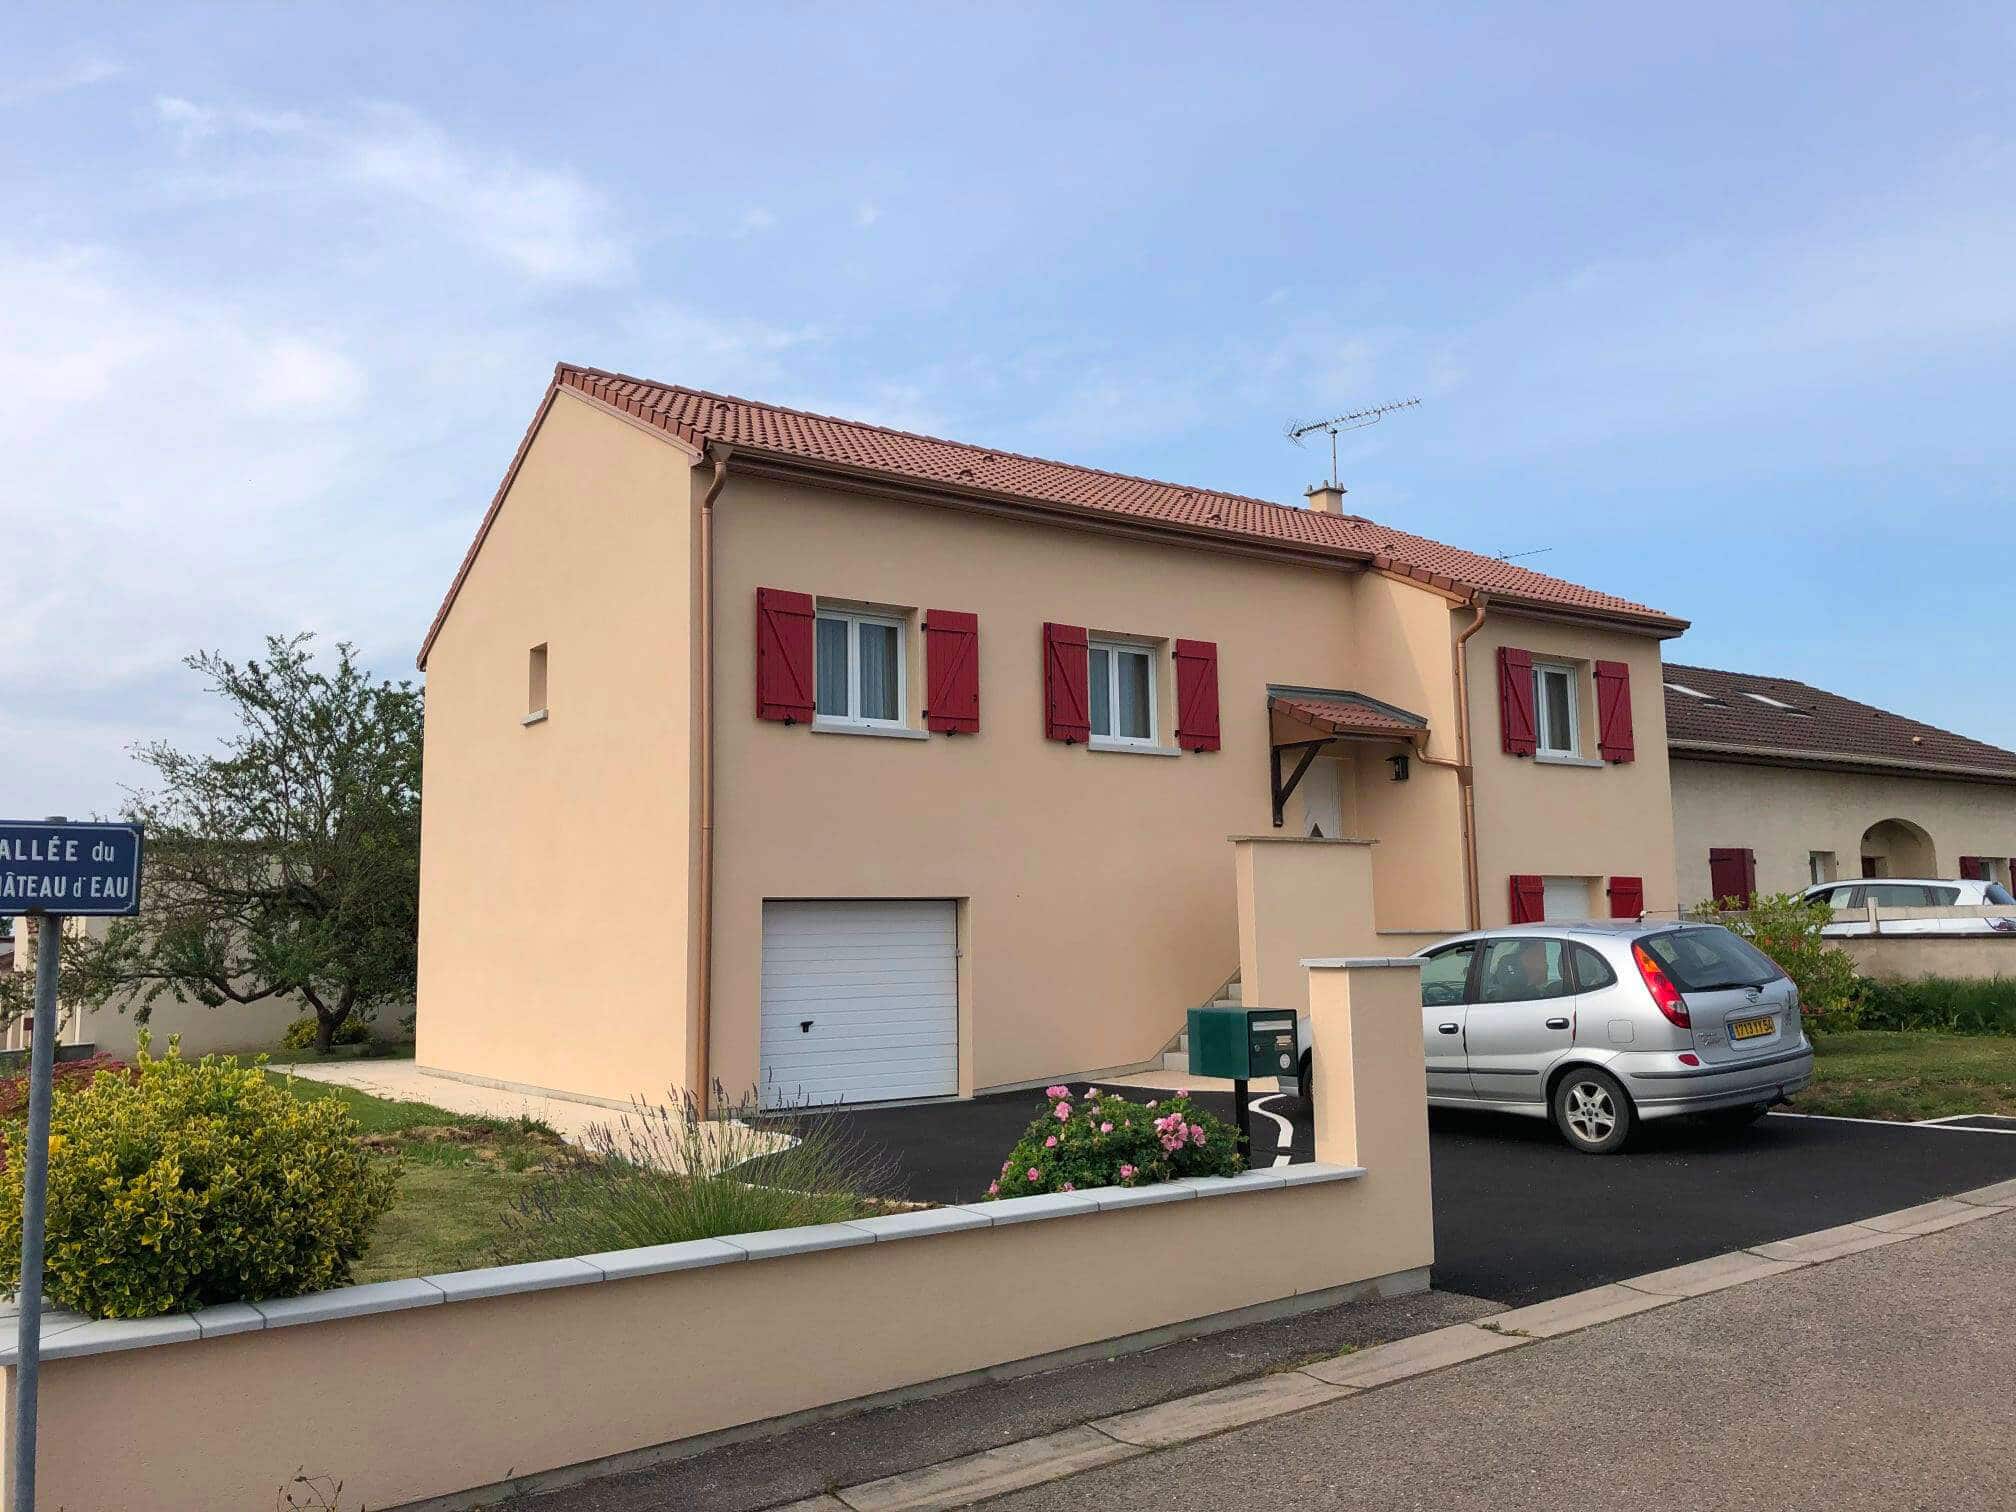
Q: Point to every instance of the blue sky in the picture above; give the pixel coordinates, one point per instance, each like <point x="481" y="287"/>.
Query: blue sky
<point x="1716" y="305"/>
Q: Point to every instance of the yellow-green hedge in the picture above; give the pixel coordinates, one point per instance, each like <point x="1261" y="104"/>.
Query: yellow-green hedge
<point x="186" y="1183"/>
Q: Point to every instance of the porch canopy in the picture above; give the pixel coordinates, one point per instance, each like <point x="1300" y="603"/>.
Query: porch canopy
<point x="1305" y="720"/>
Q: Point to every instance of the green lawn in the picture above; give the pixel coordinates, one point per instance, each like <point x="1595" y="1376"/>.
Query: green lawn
<point x="1910" y="1074"/>
<point x="459" y="1178"/>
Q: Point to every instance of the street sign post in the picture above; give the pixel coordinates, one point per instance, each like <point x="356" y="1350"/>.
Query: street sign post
<point x="51" y="871"/>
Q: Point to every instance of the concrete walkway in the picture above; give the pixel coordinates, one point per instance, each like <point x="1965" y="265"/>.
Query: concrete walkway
<point x="1866" y="1370"/>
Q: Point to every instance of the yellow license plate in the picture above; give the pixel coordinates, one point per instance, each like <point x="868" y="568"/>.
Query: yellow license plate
<point x="1742" y="1029"/>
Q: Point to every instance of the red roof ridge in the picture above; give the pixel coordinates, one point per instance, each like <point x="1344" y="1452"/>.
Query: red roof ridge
<point x="984" y="451"/>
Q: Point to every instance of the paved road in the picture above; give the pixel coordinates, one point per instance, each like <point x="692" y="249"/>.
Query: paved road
<point x="1520" y="1217"/>
<point x="1876" y="1382"/>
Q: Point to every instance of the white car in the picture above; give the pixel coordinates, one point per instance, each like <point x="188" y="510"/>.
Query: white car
<point x="1849" y="900"/>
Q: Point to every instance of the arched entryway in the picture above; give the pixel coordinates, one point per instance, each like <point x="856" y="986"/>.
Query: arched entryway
<point x="1897" y="848"/>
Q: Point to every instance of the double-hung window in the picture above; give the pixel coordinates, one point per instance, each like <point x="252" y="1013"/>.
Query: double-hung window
<point x="859" y="669"/>
<point x="1554" y="705"/>
<point x="1121" y="693"/>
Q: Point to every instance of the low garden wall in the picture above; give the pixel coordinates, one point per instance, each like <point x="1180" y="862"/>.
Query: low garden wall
<point x="1902" y="957"/>
<point x="446" y="1389"/>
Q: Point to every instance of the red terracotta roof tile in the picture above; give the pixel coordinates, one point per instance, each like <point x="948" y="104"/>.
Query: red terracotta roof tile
<point x="696" y="417"/>
<point x="1347" y="713"/>
<point x="1732" y="712"/>
<point x="699" y="417"/>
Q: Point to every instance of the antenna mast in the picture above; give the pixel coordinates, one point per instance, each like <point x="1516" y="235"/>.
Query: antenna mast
<point x="1356" y="420"/>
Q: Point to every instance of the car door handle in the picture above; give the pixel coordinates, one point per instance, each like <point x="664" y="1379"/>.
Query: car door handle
<point x="1449" y="1028"/>
<point x="1557" y="1023"/>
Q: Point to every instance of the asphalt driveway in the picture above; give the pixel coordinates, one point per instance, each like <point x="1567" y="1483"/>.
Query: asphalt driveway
<point x="1519" y="1217"/>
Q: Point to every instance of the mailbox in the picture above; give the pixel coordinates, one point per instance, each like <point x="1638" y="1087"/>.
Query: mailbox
<point x="1270" y="1043"/>
<point x="1241" y="1043"/>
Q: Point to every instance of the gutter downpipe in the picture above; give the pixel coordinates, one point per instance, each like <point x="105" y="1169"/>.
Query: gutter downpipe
<point x="1466" y="771"/>
<point x="703" y="1013"/>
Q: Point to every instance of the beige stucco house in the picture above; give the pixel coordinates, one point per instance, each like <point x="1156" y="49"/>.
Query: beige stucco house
<point x="860" y="764"/>
<point x="1777" y="785"/>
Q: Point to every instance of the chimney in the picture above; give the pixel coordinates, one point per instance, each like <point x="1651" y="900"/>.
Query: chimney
<point x="1328" y="497"/>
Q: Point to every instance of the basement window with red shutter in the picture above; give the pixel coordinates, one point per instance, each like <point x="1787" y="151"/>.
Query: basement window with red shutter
<point x="1529" y="899"/>
<point x="1627" y="897"/>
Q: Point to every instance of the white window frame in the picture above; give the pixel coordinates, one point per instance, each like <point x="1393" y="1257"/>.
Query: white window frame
<point x="1115" y="649"/>
<point x="854" y="620"/>
<point x="1573" y="675"/>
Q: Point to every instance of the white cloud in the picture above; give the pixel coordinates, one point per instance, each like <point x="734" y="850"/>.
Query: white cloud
<point x="548" y="225"/>
<point x="754" y="220"/>
<point x="79" y="75"/>
<point x="303" y="379"/>
<point x="866" y="214"/>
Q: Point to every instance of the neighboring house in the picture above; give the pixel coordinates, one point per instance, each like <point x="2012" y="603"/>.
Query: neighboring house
<point x="112" y="1029"/>
<point x="1777" y="785"/>
<point x="839" y="759"/>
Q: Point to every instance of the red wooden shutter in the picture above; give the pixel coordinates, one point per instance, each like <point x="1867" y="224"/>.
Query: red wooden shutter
<point x="1197" y="695"/>
<point x="1529" y="899"/>
<point x="952" y="671"/>
<point x="784" y="655"/>
<point x="1613" y="712"/>
<point x="1627" y="897"/>
<point x="1732" y="873"/>
<point x="1973" y="868"/>
<point x="1065" y="671"/>
<point x="1515" y="700"/>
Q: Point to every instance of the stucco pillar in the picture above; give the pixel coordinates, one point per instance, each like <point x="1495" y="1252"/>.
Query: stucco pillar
<point x="1298" y="897"/>
<point x="1370" y="1082"/>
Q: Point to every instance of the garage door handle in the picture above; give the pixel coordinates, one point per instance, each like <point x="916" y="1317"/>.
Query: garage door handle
<point x="1557" y="1023"/>
<point x="1449" y="1028"/>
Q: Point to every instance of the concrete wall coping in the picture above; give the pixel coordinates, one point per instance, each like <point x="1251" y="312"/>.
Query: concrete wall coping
<point x="1298" y="840"/>
<point x="1359" y="963"/>
<point x="66" y="1335"/>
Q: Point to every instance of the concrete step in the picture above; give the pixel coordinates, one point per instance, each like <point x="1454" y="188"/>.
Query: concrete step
<point x="1175" y="1060"/>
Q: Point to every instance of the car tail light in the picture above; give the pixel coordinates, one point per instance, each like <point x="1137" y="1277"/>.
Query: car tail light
<point x="1660" y="985"/>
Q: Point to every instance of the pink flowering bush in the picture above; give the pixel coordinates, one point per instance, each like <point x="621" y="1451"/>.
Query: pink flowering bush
<point x="1102" y="1139"/>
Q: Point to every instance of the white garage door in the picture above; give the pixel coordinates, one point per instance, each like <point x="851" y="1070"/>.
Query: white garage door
<point x="860" y="1001"/>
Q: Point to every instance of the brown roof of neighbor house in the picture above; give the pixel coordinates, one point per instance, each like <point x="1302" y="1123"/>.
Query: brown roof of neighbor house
<point x="823" y="442"/>
<point x="1346" y="713"/>
<point x="1778" y="718"/>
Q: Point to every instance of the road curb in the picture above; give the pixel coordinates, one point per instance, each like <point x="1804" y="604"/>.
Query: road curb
<point x="1013" y="1467"/>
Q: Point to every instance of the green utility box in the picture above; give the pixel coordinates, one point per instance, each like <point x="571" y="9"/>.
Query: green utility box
<point x="1242" y="1043"/>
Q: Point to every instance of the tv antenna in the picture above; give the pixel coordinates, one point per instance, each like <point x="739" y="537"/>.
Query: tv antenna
<point x="1356" y="420"/>
<point x="1513" y="556"/>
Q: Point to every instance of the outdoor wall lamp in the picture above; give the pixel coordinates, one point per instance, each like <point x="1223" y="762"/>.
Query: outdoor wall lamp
<point x="1399" y="765"/>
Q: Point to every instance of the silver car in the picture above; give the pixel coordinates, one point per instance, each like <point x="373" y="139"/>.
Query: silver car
<point x="1602" y="1024"/>
<point x="1848" y="900"/>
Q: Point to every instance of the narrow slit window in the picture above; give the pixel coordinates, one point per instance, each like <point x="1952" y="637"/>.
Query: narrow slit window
<point x="535" y="683"/>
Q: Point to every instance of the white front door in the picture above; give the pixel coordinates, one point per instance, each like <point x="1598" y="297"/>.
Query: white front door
<point x="860" y="1001"/>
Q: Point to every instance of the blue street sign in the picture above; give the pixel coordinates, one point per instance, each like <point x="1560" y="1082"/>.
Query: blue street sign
<point x="72" y="869"/>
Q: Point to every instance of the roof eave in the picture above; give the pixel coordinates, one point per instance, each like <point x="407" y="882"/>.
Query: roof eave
<point x="1834" y="761"/>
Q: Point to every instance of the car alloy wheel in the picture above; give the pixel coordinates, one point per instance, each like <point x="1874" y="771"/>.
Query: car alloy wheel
<point x="1591" y="1111"/>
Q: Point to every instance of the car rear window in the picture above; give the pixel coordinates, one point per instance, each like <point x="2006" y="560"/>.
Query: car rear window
<point x="1699" y="960"/>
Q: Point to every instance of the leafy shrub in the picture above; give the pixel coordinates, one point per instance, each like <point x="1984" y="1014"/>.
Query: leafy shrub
<point x="666" y="1174"/>
<point x="14" y="1089"/>
<point x="1786" y="927"/>
<point x="1950" y="1005"/>
<point x="300" y="1035"/>
<point x="1102" y="1139"/>
<point x="187" y="1183"/>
